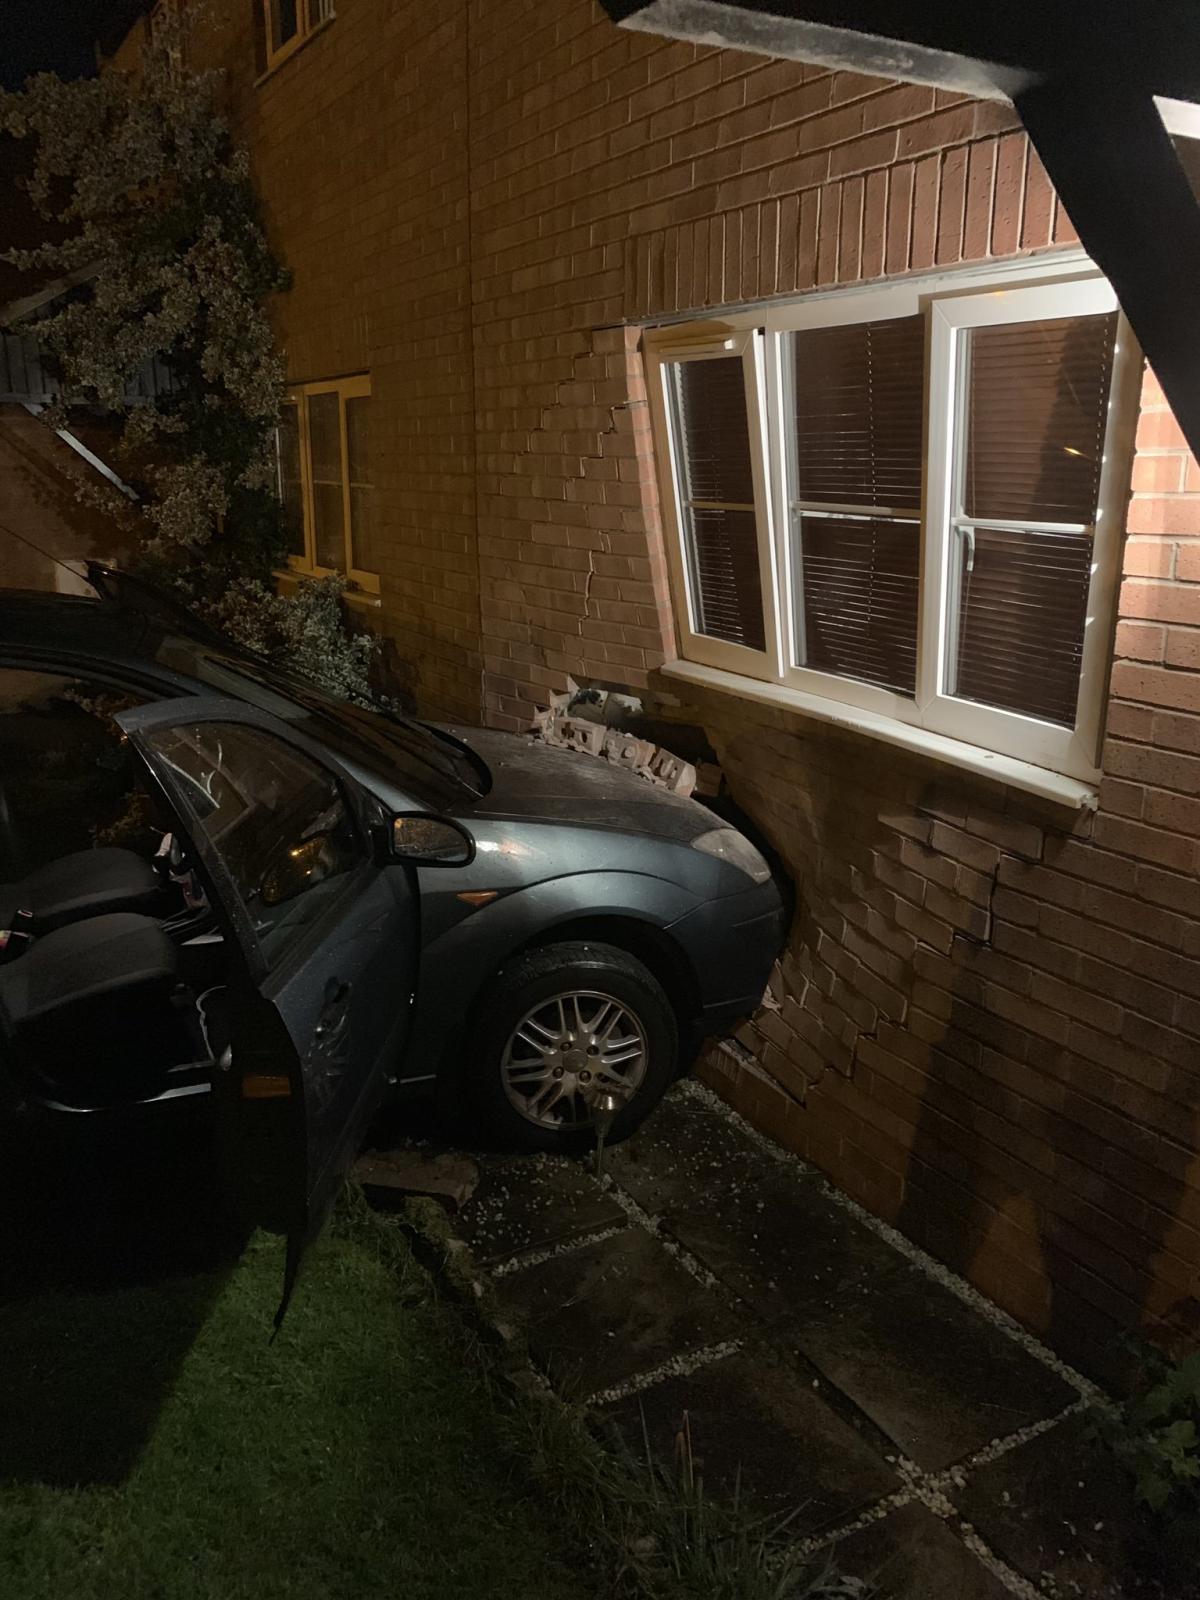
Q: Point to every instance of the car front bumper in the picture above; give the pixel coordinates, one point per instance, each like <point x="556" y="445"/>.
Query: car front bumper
<point x="732" y="944"/>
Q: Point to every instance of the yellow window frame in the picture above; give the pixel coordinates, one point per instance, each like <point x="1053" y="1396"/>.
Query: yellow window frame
<point x="354" y="388"/>
<point x="310" y="15"/>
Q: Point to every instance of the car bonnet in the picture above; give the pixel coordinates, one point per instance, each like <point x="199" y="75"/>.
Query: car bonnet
<point x="534" y="782"/>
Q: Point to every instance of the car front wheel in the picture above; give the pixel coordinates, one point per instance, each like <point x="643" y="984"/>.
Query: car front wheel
<point x="566" y="1030"/>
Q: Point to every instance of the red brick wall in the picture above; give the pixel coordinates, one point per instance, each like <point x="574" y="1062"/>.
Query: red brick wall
<point x="990" y="1008"/>
<point x="616" y="177"/>
<point x="990" y="1028"/>
<point x="359" y="147"/>
<point x="991" y="1025"/>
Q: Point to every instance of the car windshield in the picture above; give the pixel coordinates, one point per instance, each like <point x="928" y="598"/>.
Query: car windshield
<point x="436" y="765"/>
<point x="438" y="768"/>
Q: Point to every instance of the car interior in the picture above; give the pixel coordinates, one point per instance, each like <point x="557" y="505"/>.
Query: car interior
<point x="112" y="978"/>
<point x="113" y="965"/>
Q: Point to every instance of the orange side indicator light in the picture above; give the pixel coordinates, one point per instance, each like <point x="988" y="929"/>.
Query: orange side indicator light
<point x="266" y="1086"/>
<point x="477" y="897"/>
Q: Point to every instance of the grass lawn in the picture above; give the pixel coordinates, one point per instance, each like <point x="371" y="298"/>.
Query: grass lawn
<point x="154" y="1443"/>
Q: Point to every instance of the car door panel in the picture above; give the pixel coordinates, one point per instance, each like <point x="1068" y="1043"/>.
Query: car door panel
<point x="343" y="1006"/>
<point x="320" y="1007"/>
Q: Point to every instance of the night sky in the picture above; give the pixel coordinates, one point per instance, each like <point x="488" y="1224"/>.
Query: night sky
<point x="52" y="36"/>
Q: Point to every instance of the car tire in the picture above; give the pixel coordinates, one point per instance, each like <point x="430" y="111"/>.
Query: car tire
<point x="522" y="1005"/>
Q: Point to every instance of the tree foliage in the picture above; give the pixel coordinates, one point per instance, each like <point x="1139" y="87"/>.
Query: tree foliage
<point x="154" y="228"/>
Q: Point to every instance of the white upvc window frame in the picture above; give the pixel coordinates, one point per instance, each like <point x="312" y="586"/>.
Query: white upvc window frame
<point x="357" y="387"/>
<point x="1062" y="285"/>
<point x="896" y="301"/>
<point x="745" y="346"/>
<point x="1070" y="750"/>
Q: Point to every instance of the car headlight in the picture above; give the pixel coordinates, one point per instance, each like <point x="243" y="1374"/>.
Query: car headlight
<point x="727" y="844"/>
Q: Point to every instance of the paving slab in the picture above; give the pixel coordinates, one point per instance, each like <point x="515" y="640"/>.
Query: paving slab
<point x="1060" y="1509"/>
<point x="806" y="1288"/>
<point x="534" y="1203"/>
<point x="611" y="1310"/>
<point x="688" y="1149"/>
<point x="441" y="1175"/>
<point x="937" y="1377"/>
<point x="912" y="1555"/>
<point x="761" y="1432"/>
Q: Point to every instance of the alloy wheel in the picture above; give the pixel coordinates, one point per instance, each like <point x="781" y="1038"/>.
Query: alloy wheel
<point x="569" y="1049"/>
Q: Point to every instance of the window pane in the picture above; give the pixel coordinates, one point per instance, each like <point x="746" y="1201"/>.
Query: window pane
<point x="362" y="498"/>
<point x="859" y="396"/>
<point x="859" y="579"/>
<point x="859" y="400"/>
<point x="713" y="431"/>
<point x="1037" y="396"/>
<point x="283" y="22"/>
<point x="1022" y="608"/>
<point x="721" y="541"/>
<point x="723" y="557"/>
<point x="291" y="494"/>
<point x="325" y="452"/>
<point x="276" y="819"/>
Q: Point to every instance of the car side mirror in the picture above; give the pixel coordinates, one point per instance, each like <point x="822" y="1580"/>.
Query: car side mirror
<point x="427" y="841"/>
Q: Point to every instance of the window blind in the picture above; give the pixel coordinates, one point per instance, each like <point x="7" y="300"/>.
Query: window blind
<point x="858" y="406"/>
<point x="1035" y="410"/>
<point x="860" y="599"/>
<point x="1037" y="393"/>
<point x="720" y="527"/>
<point x="1022" y="608"/>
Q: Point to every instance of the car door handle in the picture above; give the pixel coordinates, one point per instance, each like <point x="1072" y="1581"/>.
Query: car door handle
<point x="333" y="1012"/>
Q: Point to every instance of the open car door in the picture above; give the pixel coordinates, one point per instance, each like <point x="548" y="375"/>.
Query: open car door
<point x="322" y="931"/>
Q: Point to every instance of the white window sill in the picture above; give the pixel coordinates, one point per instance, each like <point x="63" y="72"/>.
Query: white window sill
<point x="1016" y="774"/>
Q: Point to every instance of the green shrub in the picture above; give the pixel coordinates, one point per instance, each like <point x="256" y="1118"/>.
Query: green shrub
<point x="153" y="221"/>
<point x="1157" y="1438"/>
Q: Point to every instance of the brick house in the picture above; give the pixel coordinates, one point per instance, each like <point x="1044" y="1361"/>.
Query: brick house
<point x="785" y="399"/>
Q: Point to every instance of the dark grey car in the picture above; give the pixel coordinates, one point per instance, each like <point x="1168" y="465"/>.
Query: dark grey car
<point x="341" y="905"/>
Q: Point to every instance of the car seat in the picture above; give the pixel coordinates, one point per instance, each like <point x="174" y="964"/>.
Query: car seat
<point x="86" y="883"/>
<point x="95" y="1004"/>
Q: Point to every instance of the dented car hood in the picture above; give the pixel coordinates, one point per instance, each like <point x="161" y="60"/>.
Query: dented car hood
<point x="538" y="783"/>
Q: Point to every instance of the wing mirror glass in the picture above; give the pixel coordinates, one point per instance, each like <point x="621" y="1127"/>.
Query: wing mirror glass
<point x="431" y="841"/>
